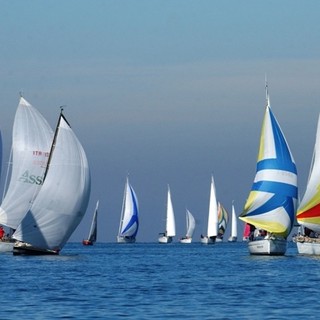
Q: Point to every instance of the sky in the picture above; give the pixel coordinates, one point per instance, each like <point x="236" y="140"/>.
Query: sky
<point x="169" y="92"/>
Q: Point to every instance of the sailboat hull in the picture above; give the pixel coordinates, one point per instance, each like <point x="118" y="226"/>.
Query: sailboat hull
<point x="208" y="240"/>
<point x="275" y="247"/>
<point x="87" y="243"/>
<point x="6" y="246"/>
<point x="165" y="239"/>
<point x="185" y="240"/>
<point x="307" y="246"/>
<point x="126" y="239"/>
<point x="26" y="249"/>
<point x="232" y="239"/>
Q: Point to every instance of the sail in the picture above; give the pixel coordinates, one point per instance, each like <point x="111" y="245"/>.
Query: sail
<point x="212" y="229"/>
<point x="308" y="212"/>
<point x="0" y="154"/>
<point x="31" y="141"/>
<point x="234" y="232"/>
<point x="170" y="223"/>
<point x="272" y="201"/>
<point x="64" y="195"/>
<point x="246" y="231"/>
<point x="191" y="224"/>
<point x="93" y="229"/>
<point x="129" y="223"/>
<point x="222" y="219"/>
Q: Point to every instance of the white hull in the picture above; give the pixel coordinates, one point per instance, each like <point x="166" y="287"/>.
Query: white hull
<point x="206" y="240"/>
<point x="268" y="247"/>
<point x="186" y="240"/>
<point x="219" y="240"/>
<point x="232" y="239"/>
<point x="6" y="246"/>
<point x="308" y="247"/>
<point x="165" y="239"/>
<point x="126" y="240"/>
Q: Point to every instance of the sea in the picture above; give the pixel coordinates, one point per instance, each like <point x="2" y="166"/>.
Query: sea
<point x="160" y="281"/>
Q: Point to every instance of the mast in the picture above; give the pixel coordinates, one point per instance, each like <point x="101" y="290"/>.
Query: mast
<point x="55" y="140"/>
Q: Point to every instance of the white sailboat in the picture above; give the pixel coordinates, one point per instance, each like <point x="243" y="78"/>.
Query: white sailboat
<point x="271" y="204"/>
<point x="129" y="220"/>
<point x="31" y="142"/>
<point x="170" y="232"/>
<point x="191" y="224"/>
<point x="234" y="231"/>
<point x="62" y="200"/>
<point x="92" y="237"/>
<point x="212" y="226"/>
<point x="308" y="213"/>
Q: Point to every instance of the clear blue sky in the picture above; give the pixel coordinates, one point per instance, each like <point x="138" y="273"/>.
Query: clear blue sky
<point x="169" y="91"/>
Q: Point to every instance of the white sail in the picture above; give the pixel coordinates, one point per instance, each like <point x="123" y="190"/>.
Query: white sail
<point x="31" y="141"/>
<point x="129" y="222"/>
<point x="64" y="195"/>
<point x="0" y="154"/>
<point x="234" y="231"/>
<point x="212" y="228"/>
<point x="170" y="222"/>
<point x="191" y="224"/>
<point x="94" y="224"/>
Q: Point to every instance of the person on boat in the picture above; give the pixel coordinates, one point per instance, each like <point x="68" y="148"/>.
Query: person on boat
<point x="2" y="233"/>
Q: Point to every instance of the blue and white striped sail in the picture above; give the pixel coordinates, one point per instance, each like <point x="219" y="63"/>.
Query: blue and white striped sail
<point x="272" y="201"/>
<point x="129" y="222"/>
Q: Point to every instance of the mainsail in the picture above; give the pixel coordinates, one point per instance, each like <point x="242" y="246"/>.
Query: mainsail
<point x="129" y="222"/>
<point x="63" y="197"/>
<point x="212" y="228"/>
<point x="170" y="222"/>
<point x="308" y="212"/>
<point x="94" y="225"/>
<point x="191" y="224"/>
<point x="31" y="141"/>
<point x="272" y="201"/>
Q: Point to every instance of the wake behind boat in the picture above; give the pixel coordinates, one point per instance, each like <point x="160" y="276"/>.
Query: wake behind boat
<point x="92" y="238"/>
<point x="170" y="232"/>
<point x="62" y="200"/>
<point x="129" y="220"/>
<point x="271" y="204"/>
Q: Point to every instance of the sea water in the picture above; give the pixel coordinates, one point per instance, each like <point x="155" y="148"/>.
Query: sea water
<point x="154" y="281"/>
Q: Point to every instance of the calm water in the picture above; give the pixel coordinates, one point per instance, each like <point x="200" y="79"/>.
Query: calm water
<point x="153" y="281"/>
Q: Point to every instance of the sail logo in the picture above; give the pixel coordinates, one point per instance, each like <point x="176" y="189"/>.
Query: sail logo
<point x="26" y="177"/>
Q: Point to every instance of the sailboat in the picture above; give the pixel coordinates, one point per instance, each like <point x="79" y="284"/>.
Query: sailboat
<point x="191" y="224"/>
<point x="129" y="220"/>
<point x="62" y="200"/>
<point x="308" y="213"/>
<point x="271" y="204"/>
<point x="31" y="142"/>
<point x="234" y="233"/>
<point x="222" y="222"/>
<point x="166" y="237"/>
<point x="92" y="237"/>
<point x="212" y="226"/>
